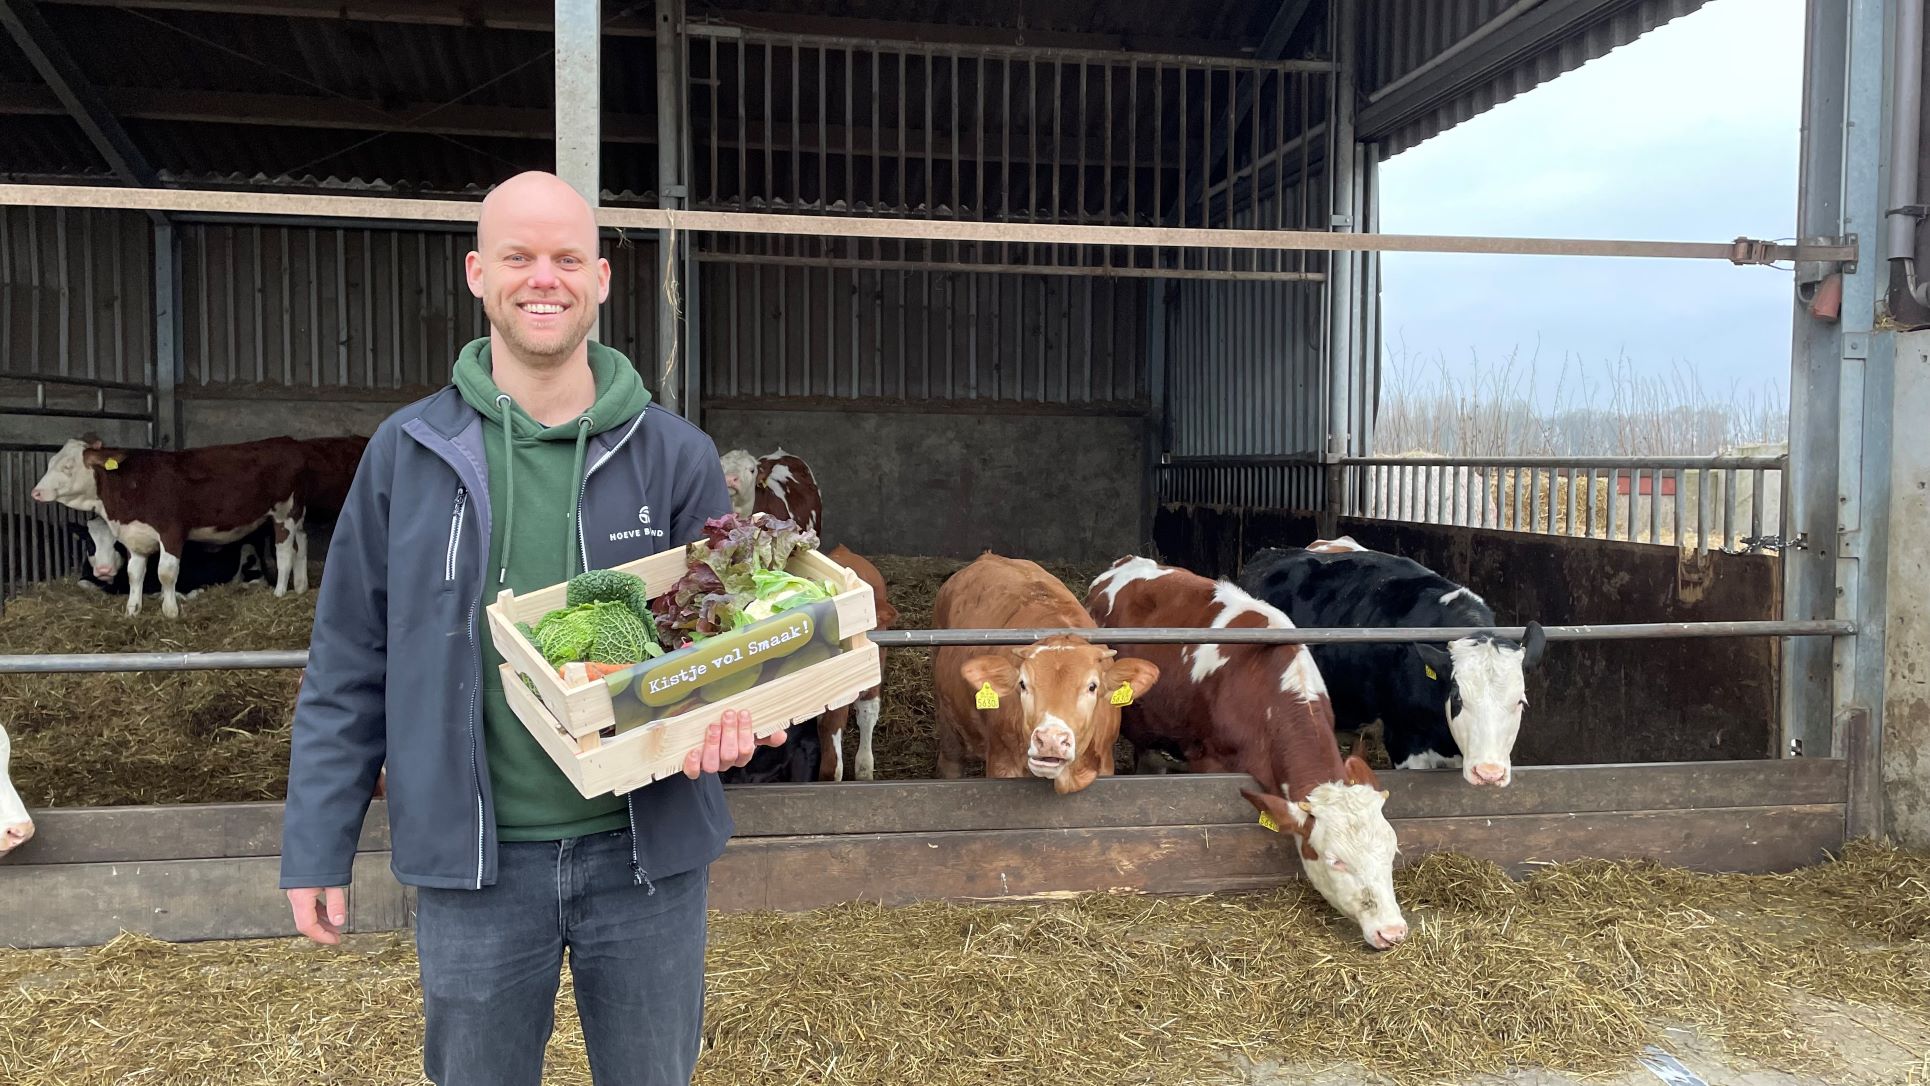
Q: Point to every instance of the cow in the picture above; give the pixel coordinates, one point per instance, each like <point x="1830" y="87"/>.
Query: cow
<point x="1049" y="709"/>
<point x="16" y="825"/>
<point x="157" y="500"/>
<point x="1453" y="707"/>
<point x="1261" y="710"/>
<point x="831" y="725"/>
<point x="777" y="483"/>
<point x="202" y="564"/>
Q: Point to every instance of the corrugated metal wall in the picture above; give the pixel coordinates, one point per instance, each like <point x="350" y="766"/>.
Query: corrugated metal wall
<point x="848" y="332"/>
<point x="1399" y="36"/>
<point x="314" y="307"/>
<point x="76" y="293"/>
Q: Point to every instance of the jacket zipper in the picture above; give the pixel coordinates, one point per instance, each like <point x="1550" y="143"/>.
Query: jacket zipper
<point x="455" y="533"/>
<point x="637" y="875"/>
<point x="475" y="709"/>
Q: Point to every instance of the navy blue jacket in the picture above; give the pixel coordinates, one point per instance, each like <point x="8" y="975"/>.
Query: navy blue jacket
<point x="395" y="661"/>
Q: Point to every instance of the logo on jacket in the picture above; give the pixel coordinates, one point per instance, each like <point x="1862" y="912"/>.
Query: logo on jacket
<point x="643" y="518"/>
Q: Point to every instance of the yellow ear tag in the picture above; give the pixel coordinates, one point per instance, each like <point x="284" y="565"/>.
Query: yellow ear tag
<point x="1123" y="695"/>
<point x="1430" y="673"/>
<point x="987" y="697"/>
<point x="110" y="463"/>
<point x="1267" y="821"/>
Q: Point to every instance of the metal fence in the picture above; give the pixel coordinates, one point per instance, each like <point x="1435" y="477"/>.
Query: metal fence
<point x="36" y="543"/>
<point x="1731" y="503"/>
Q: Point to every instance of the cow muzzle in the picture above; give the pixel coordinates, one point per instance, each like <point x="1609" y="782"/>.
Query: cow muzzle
<point x="1384" y="936"/>
<point x="42" y="494"/>
<point x="14" y="835"/>
<point x="1051" y="749"/>
<point x="1486" y="774"/>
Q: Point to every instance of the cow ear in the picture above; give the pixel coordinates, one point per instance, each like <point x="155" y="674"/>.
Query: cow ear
<point x="1532" y="643"/>
<point x="1359" y="772"/>
<point x="995" y="671"/>
<point x="1136" y="675"/>
<point x="1283" y="815"/>
<point x="1435" y="659"/>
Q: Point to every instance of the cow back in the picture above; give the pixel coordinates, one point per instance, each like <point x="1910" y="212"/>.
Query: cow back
<point x="218" y="487"/>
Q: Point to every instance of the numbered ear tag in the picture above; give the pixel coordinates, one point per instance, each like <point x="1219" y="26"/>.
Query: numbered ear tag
<point x="1430" y="673"/>
<point x="1123" y="695"/>
<point x="110" y="464"/>
<point x="987" y="697"/>
<point x="1267" y="821"/>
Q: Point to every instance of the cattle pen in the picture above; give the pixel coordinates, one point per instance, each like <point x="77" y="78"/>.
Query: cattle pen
<point x="931" y="251"/>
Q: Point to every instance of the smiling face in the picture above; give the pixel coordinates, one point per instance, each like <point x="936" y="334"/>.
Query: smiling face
<point x="536" y="269"/>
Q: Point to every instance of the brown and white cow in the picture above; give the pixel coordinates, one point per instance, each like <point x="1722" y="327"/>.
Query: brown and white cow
<point x="865" y="709"/>
<point x="777" y="483"/>
<point x="156" y="500"/>
<point x="1261" y="710"/>
<point x="1055" y="714"/>
<point x="16" y="825"/>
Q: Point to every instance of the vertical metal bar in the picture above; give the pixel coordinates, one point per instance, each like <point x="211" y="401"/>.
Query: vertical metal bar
<point x="770" y="123"/>
<point x="1253" y="164"/>
<point x="579" y="91"/>
<point x="1180" y="152"/>
<point x="1614" y="479"/>
<point x="716" y="136"/>
<point x="1729" y="510"/>
<point x="1678" y="537"/>
<point x="62" y="291"/>
<point x="904" y="162"/>
<point x="1755" y="504"/>
<point x="743" y="126"/>
<point x="850" y="170"/>
<point x="796" y="106"/>
<point x="824" y="136"/>
<point x="958" y="194"/>
<point x="1655" y="505"/>
<point x="1702" y="512"/>
<point x="167" y="335"/>
<point x="1159" y="150"/>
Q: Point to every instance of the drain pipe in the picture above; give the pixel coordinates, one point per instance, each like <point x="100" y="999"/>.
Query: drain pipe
<point x="1905" y="120"/>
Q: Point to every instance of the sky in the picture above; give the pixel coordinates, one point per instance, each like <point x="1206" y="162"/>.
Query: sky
<point x="1689" y="133"/>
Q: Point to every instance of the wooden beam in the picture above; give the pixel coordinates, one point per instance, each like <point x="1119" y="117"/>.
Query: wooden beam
<point x="69" y="835"/>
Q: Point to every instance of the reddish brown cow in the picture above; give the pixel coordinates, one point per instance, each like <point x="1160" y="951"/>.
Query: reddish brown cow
<point x="1052" y="707"/>
<point x="1261" y="710"/>
<point x="328" y="468"/>
<point x="831" y="725"/>
<point x="777" y="483"/>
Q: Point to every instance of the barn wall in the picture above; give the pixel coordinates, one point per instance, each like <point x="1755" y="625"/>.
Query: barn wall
<point x="1031" y="484"/>
<point x="1591" y="703"/>
<point x="1906" y="709"/>
<point x="76" y="293"/>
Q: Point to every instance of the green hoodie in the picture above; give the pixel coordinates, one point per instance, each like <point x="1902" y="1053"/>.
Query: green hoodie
<point x="535" y="478"/>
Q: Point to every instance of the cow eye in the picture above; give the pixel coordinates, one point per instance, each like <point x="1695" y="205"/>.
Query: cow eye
<point x="1092" y="686"/>
<point x="1021" y="686"/>
<point x="1338" y="863"/>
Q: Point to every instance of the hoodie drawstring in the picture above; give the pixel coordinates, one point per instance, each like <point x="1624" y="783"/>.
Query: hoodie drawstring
<point x="583" y="426"/>
<point x="505" y="406"/>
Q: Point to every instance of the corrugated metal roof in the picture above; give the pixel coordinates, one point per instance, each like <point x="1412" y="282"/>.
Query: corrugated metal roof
<point x="1401" y="36"/>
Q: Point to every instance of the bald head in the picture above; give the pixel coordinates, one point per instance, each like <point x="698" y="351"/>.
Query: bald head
<point x="537" y="270"/>
<point x="535" y="196"/>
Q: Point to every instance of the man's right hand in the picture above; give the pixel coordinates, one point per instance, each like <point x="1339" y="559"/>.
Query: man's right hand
<point x="320" y="913"/>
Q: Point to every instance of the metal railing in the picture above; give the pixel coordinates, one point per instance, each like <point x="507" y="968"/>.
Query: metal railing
<point x="52" y="663"/>
<point x="36" y="543"/>
<point x="1732" y="503"/>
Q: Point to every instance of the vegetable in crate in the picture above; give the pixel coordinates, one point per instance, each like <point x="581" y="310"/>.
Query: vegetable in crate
<point x="722" y="591"/>
<point x="607" y="620"/>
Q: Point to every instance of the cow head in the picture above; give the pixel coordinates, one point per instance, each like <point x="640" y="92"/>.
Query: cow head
<point x="102" y="556"/>
<point x="1065" y="686"/>
<point x="1347" y="848"/>
<point x="740" y="478"/>
<point x="1481" y="683"/>
<point x="68" y="480"/>
<point x="15" y="825"/>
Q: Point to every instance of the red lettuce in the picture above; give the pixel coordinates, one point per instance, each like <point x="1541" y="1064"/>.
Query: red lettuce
<point x="720" y="580"/>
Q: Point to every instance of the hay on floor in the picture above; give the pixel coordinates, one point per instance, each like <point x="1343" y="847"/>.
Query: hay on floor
<point x="1574" y="969"/>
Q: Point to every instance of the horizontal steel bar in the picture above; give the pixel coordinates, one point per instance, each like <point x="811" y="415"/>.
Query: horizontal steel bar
<point x="294" y="658"/>
<point x="77" y="413"/>
<point x="1041" y="54"/>
<point x="1100" y="271"/>
<point x="744" y="222"/>
<point x="1714" y="463"/>
<point x="75" y="382"/>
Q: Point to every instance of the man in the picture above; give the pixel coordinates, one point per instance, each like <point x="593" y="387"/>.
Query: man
<point x="475" y="489"/>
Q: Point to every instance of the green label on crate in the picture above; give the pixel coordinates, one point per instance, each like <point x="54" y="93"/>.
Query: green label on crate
<point x="726" y="665"/>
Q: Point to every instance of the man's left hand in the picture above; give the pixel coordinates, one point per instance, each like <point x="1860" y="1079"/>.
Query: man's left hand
<point x="728" y="744"/>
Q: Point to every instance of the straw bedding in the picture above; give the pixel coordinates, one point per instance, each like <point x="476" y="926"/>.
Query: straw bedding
<point x="1573" y="969"/>
<point x="222" y="736"/>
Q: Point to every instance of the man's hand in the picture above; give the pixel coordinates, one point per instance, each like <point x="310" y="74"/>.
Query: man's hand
<point x="728" y="744"/>
<point x="323" y="926"/>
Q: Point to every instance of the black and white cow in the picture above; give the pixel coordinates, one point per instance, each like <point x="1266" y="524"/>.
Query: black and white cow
<point x="202" y="564"/>
<point x="1452" y="707"/>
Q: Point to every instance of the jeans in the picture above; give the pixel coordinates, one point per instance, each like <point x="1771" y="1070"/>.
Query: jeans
<point x="491" y="962"/>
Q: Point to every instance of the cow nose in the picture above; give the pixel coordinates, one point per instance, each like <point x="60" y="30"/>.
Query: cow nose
<point x="11" y="837"/>
<point x="1490" y="773"/>
<point x="39" y="494"/>
<point x="1052" y="742"/>
<point x="1387" y="935"/>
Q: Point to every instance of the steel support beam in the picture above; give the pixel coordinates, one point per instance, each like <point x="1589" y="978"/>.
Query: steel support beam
<point x="672" y="193"/>
<point x="1342" y="345"/>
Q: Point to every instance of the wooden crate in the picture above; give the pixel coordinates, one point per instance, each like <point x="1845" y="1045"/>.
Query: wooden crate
<point x="629" y="728"/>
